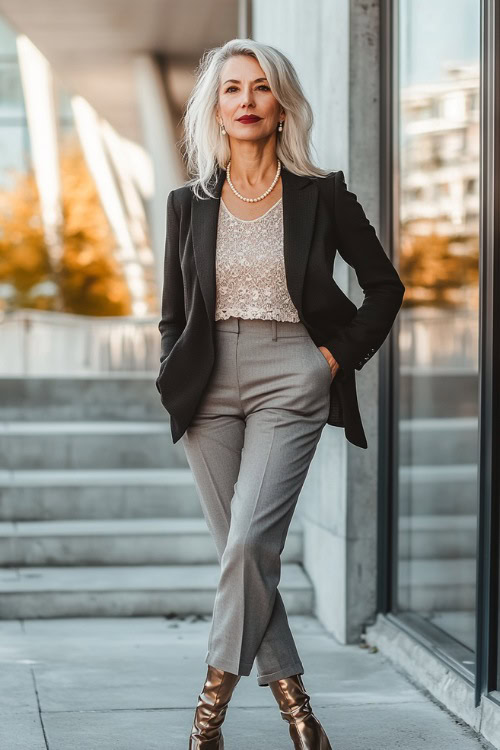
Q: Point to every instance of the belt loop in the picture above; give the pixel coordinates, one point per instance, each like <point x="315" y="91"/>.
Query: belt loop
<point x="275" y="329"/>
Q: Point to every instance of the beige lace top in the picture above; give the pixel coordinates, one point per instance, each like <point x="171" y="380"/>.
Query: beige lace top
<point x="250" y="267"/>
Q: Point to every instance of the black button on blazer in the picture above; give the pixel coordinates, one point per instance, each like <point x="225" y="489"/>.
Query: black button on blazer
<point x="320" y="216"/>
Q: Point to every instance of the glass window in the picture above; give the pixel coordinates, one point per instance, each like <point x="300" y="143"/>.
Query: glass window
<point x="438" y="227"/>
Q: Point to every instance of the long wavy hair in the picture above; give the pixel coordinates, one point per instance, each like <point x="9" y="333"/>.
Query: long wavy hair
<point x="205" y="149"/>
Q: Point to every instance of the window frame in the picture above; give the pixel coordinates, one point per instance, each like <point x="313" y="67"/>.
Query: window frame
<point x="486" y="670"/>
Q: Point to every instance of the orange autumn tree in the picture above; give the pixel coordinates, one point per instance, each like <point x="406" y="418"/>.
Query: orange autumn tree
<point x="90" y="280"/>
<point x="434" y="273"/>
<point x="24" y="261"/>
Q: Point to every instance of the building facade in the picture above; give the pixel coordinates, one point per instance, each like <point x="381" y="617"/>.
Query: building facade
<point x="402" y="539"/>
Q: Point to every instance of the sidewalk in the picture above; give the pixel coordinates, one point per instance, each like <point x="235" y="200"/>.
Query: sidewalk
<point x="132" y="684"/>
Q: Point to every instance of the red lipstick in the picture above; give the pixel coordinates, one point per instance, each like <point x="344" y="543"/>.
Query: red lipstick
<point x="249" y="118"/>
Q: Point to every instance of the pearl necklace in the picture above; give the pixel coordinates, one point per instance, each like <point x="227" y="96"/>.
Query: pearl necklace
<point x="252" y="200"/>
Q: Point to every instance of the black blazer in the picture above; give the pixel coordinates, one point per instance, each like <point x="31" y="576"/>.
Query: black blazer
<point x="320" y="215"/>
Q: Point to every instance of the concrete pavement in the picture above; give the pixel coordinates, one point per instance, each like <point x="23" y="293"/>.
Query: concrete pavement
<point x="132" y="684"/>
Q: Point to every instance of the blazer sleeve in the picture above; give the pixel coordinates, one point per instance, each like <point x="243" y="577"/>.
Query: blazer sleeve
<point x="173" y="317"/>
<point x="354" y="344"/>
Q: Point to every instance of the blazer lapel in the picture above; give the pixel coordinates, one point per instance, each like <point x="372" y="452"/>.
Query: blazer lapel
<point x="300" y="200"/>
<point x="299" y="197"/>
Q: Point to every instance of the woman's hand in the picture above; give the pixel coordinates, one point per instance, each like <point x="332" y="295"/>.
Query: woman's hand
<point x="334" y="365"/>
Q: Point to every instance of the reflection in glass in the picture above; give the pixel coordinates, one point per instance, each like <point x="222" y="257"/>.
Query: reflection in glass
<point x="439" y="262"/>
<point x="74" y="233"/>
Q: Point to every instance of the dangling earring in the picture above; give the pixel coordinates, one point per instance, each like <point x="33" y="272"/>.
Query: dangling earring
<point x="222" y="129"/>
<point x="280" y="126"/>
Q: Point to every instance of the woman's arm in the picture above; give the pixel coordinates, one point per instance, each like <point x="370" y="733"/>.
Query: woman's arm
<point x="354" y="344"/>
<point x="173" y="317"/>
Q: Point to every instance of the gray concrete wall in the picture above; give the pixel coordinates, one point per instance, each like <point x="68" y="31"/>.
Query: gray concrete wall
<point x="334" y="47"/>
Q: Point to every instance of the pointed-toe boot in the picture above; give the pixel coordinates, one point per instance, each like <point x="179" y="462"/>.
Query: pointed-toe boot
<point x="211" y="709"/>
<point x="305" y="729"/>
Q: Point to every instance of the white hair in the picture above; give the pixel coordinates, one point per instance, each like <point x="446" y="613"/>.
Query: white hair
<point x="203" y="146"/>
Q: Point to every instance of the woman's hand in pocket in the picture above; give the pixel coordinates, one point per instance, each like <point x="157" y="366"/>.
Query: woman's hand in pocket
<point x="334" y="365"/>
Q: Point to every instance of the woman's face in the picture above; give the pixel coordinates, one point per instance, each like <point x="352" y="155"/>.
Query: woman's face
<point x="244" y="91"/>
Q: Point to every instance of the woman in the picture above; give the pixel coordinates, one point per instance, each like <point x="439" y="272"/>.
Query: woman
<point x="259" y="348"/>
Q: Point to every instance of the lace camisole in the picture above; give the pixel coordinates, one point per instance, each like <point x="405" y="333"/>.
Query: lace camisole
<point x="250" y="267"/>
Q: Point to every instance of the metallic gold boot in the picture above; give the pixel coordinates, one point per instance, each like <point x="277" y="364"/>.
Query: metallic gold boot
<point x="305" y="729"/>
<point x="211" y="710"/>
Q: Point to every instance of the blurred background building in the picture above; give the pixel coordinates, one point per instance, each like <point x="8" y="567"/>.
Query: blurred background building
<point x="99" y="513"/>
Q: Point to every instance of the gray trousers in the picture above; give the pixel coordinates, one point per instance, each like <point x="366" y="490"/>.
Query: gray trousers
<point x="249" y="447"/>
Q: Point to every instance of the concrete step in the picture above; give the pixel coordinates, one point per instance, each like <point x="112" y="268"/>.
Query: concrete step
<point x="154" y="541"/>
<point x="97" y="494"/>
<point x="129" y="591"/>
<point x="100" y="444"/>
<point x="89" y="445"/>
<point x="126" y="397"/>
<point x="434" y="392"/>
<point x="437" y="537"/>
<point x="431" y="585"/>
<point x="425" y="393"/>
<point x="434" y="490"/>
<point x="152" y="493"/>
<point x="443" y="441"/>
